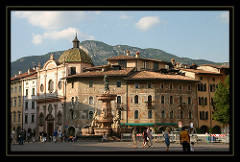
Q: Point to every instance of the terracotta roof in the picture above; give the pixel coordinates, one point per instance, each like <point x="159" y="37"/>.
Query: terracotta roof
<point x="122" y="72"/>
<point x="198" y="71"/>
<point x="125" y="57"/>
<point x="24" y="75"/>
<point x="216" y="66"/>
<point x="149" y="75"/>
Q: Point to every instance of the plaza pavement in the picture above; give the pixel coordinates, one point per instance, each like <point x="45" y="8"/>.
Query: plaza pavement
<point x="110" y="147"/>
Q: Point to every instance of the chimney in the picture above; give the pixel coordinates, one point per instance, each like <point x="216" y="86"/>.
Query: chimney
<point x="137" y="54"/>
<point x="51" y="57"/>
<point x="128" y="53"/>
<point x="19" y="72"/>
<point x="173" y="61"/>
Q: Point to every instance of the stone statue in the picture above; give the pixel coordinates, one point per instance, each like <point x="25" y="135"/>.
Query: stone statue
<point x="106" y="83"/>
<point x="95" y="117"/>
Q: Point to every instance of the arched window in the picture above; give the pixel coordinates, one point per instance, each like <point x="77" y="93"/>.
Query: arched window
<point x="163" y="114"/>
<point x="149" y="100"/>
<point x="171" y="99"/>
<point x="90" y="100"/>
<point x="90" y="114"/>
<point x="149" y="114"/>
<point x="171" y="114"/>
<point x="162" y="99"/>
<point x="190" y="114"/>
<point x="136" y="114"/>
<point x="136" y="99"/>
<point x="50" y="86"/>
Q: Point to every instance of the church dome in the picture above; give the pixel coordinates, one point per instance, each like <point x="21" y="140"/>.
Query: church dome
<point x="75" y="54"/>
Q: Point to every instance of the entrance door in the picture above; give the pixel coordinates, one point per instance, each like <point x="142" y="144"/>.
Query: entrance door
<point x="50" y="129"/>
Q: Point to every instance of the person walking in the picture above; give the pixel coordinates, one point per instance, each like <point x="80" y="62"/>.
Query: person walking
<point x="150" y="137"/>
<point x="185" y="140"/>
<point x="55" y="133"/>
<point x="166" y="136"/>
<point x="60" y="136"/>
<point x="145" y="138"/>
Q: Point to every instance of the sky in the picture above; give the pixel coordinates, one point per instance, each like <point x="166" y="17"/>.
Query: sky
<point x="193" y="34"/>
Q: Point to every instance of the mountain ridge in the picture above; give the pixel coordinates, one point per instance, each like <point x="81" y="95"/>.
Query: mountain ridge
<point x="99" y="52"/>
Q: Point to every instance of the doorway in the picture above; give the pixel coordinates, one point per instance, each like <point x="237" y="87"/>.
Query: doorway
<point x="49" y="129"/>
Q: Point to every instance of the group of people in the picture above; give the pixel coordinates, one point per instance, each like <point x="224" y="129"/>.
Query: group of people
<point x="147" y="139"/>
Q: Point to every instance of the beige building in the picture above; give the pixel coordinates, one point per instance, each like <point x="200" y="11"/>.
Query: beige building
<point x="209" y="77"/>
<point x="148" y="94"/>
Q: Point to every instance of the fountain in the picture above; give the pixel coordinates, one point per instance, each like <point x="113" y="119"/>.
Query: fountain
<point x="102" y="124"/>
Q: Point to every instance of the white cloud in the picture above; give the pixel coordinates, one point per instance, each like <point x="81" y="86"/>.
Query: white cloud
<point x="124" y="16"/>
<point x="147" y="22"/>
<point x="68" y="34"/>
<point x="37" y="39"/>
<point x="224" y="17"/>
<point x="51" y="20"/>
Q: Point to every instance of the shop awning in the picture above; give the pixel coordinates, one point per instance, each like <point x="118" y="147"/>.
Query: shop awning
<point x="147" y="124"/>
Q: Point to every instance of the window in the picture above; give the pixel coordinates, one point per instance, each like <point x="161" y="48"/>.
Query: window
<point x="73" y="71"/>
<point x="90" y="100"/>
<point x="50" y="86"/>
<point x="145" y="65"/>
<point x="189" y="100"/>
<point x="59" y="85"/>
<point x="41" y="87"/>
<point x="19" y="117"/>
<point x="33" y="104"/>
<point x="136" y="85"/>
<point x="190" y="114"/>
<point x="90" y="84"/>
<point x="118" y="83"/>
<point x="26" y="92"/>
<point x="162" y="85"/>
<point x="180" y="86"/>
<point x="90" y="114"/>
<point x="136" y="114"/>
<point x="72" y="84"/>
<point x="118" y="101"/>
<point x="170" y="86"/>
<point x="181" y="114"/>
<point x="33" y="116"/>
<point x="180" y="100"/>
<point x="162" y="99"/>
<point x="189" y="87"/>
<point x="33" y="91"/>
<point x="163" y="114"/>
<point x="149" y="101"/>
<point x="171" y="99"/>
<point x="171" y="114"/>
<point x="149" y="85"/>
<point x="19" y="101"/>
<point x="149" y="114"/>
<point x="26" y="118"/>
<point x="136" y="99"/>
<point x="26" y="105"/>
<point x="155" y="66"/>
<point x="122" y="63"/>
<point x="20" y="88"/>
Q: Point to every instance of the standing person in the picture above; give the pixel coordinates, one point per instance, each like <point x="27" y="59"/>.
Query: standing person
<point x="134" y="138"/>
<point x="41" y="136"/>
<point x="145" y="140"/>
<point x="28" y="136"/>
<point x="166" y="136"/>
<point x="60" y="136"/>
<point x="150" y="137"/>
<point x="55" y="133"/>
<point x="192" y="147"/>
<point x="185" y="140"/>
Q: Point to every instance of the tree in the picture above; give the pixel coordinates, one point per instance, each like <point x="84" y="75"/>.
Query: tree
<point x="221" y="101"/>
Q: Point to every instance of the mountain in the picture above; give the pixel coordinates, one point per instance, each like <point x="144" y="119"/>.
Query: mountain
<point x="99" y="52"/>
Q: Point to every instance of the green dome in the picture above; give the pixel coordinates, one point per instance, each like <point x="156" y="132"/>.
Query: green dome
<point x="75" y="55"/>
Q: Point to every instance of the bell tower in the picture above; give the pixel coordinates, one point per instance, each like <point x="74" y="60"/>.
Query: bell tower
<point x="76" y="42"/>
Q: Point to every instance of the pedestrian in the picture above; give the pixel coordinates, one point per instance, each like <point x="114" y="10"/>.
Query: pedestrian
<point x="185" y="140"/>
<point x="134" y="138"/>
<point x="59" y="136"/>
<point x="192" y="147"/>
<point x="28" y="136"/>
<point x="55" y="133"/>
<point x="166" y="136"/>
<point x="145" y="138"/>
<point x="41" y="136"/>
<point x="150" y="137"/>
<point x="44" y="136"/>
